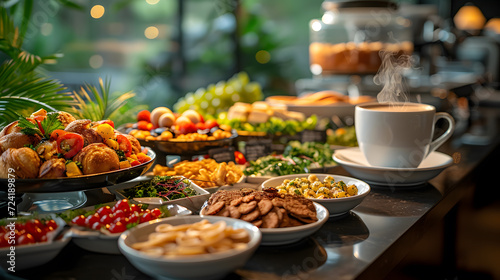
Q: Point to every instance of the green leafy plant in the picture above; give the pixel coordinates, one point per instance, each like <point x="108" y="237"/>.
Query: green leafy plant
<point x="22" y="87"/>
<point x="95" y="103"/>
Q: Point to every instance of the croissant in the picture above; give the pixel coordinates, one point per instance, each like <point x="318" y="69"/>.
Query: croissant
<point x="53" y="168"/>
<point x="82" y="127"/>
<point x="65" y="118"/>
<point x="10" y="128"/>
<point x="17" y="140"/>
<point x="97" y="158"/>
<point x="24" y="161"/>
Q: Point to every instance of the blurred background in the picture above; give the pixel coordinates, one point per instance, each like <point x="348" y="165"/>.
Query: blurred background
<point x="163" y="50"/>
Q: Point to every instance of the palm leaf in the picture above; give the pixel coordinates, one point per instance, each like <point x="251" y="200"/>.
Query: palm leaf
<point x="25" y="90"/>
<point x="95" y="103"/>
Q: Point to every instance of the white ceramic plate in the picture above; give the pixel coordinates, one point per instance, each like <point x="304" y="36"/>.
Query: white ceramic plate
<point x="354" y="162"/>
<point x="96" y="241"/>
<point x="227" y="187"/>
<point x="335" y="206"/>
<point x="287" y="235"/>
<point x="193" y="203"/>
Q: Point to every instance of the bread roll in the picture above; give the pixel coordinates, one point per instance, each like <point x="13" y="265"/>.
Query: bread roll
<point x="24" y="161"/>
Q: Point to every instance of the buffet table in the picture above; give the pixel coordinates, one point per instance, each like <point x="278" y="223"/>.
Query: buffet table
<point x="367" y="243"/>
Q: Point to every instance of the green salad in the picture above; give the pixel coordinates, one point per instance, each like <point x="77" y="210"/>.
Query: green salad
<point x="344" y="136"/>
<point x="166" y="187"/>
<point x="297" y="158"/>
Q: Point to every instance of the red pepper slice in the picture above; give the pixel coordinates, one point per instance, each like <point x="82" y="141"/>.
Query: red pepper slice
<point x="39" y="123"/>
<point x="239" y="158"/>
<point x="57" y="133"/>
<point x="110" y="122"/>
<point x="135" y="163"/>
<point x="124" y="144"/>
<point x="69" y="144"/>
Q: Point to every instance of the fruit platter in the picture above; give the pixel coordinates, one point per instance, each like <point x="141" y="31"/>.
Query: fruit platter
<point x="174" y="133"/>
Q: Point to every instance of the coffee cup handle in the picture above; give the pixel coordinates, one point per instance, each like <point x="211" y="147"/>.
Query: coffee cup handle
<point x="446" y="135"/>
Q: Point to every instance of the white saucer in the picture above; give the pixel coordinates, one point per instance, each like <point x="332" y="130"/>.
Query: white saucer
<point x="354" y="162"/>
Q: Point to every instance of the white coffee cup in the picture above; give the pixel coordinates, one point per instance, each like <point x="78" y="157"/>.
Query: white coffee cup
<point x="398" y="135"/>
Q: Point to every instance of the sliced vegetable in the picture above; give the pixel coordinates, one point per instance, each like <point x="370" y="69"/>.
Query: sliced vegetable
<point x="124" y="145"/>
<point x="56" y="133"/>
<point x="135" y="162"/>
<point x="125" y="164"/>
<point x="112" y="143"/>
<point x="110" y="122"/>
<point x="69" y="144"/>
<point x="72" y="169"/>
<point x="106" y="131"/>
<point x="142" y="158"/>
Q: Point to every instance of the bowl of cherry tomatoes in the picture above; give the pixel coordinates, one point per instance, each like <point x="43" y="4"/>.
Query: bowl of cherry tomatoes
<point x="97" y="228"/>
<point x="30" y="241"/>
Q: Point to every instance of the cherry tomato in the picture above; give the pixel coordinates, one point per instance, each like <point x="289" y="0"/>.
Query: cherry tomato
<point x="201" y="126"/>
<point x="107" y="219"/>
<point x="26" y="238"/>
<point x="143" y="125"/>
<point x="44" y="238"/>
<point x="117" y="227"/>
<point x="104" y="210"/>
<point x="119" y="213"/>
<point x="186" y="127"/>
<point x="146" y="217"/>
<point x="69" y="144"/>
<point x="79" y="220"/>
<point x="156" y="212"/>
<point x="209" y="124"/>
<point x="135" y="208"/>
<point x="38" y="234"/>
<point x="239" y="158"/>
<point x="123" y="220"/>
<point x="90" y="220"/>
<point x="134" y="218"/>
<point x="51" y="223"/>
<point x="123" y="206"/>
<point x="20" y="226"/>
<point x="96" y="226"/>
<point x="144" y="115"/>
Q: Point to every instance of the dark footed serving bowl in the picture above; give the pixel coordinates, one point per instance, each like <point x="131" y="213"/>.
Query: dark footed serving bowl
<point x="79" y="183"/>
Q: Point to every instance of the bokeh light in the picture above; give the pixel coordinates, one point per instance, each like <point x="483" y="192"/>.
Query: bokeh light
<point x="263" y="57"/>
<point x="151" y="32"/>
<point x="96" y="61"/>
<point x="152" y="2"/>
<point x="97" y="11"/>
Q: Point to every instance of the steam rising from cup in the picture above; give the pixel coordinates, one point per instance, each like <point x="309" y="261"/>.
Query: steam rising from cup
<point x="390" y="76"/>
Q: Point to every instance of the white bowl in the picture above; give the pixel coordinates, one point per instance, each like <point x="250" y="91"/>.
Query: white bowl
<point x="97" y="241"/>
<point x="193" y="203"/>
<point x="336" y="206"/>
<point x="288" y="235"/>
<point x="207" y="266"/>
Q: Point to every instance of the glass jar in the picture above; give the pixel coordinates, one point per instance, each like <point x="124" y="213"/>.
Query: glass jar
<point x="350" y="34"/>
